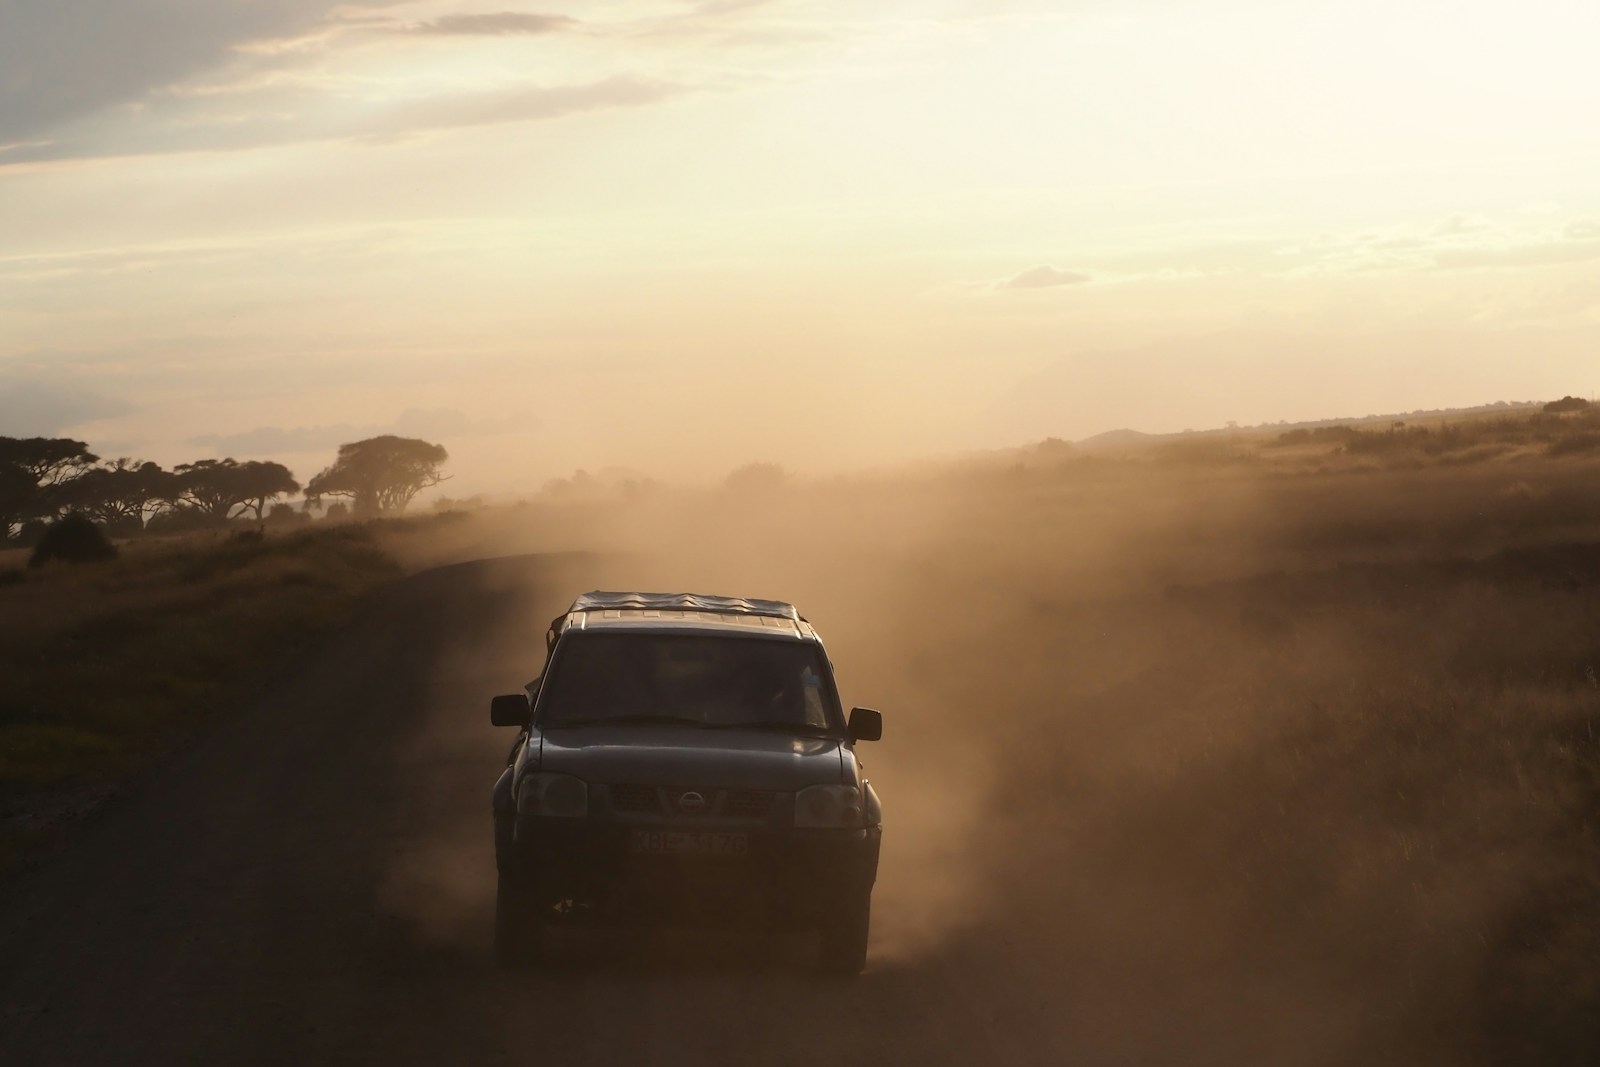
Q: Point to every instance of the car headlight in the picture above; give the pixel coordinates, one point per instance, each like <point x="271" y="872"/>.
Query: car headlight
<point x="557" y="795"/>
<point x="828" y="807"/>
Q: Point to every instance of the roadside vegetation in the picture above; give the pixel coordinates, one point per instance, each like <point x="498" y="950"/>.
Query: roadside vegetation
<point x="1321" y="754"/>
<point x="153" y="600"/>
<point x="45" y="479"/>
<point x="106" y="664"/>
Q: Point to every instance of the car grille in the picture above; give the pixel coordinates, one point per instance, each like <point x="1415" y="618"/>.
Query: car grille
<point x="747" y="804"/>
<point x="659" y="800"/>
<point x="636" y="799"/>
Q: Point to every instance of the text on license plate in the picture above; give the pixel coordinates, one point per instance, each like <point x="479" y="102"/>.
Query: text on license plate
<point x="690" y="843"/>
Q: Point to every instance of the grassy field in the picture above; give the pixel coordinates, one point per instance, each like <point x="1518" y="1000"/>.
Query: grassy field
<point x="104" y="665"/>
<point x="1309" y="745"/>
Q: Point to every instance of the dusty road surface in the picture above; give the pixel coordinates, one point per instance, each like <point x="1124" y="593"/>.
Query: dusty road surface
<point x="313" y="884"/>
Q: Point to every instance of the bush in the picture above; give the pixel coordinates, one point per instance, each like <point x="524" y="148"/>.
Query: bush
<point x="282" y="514"/>
<point x="31" y="531"/>
<point x="73" y="539"/>
<point x="1566" y="403"/>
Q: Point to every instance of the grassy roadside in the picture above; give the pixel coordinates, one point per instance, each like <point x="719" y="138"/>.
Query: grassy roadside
<point x="105" y="666"/>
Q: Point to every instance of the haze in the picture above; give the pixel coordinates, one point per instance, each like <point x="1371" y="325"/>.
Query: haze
<point x="676" y="236"/>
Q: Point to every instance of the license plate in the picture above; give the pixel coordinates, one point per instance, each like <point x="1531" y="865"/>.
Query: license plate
<point x="689" y="843"/>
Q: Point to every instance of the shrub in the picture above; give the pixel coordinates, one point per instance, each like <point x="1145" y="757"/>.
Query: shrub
<point x="73" y="539"/>
<point x="281" y="514"/>
<point x="31" y="531"/>
<point x="1566" y="403"/>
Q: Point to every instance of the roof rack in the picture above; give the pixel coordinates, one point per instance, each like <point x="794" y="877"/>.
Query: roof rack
<point x="716" y="605"/>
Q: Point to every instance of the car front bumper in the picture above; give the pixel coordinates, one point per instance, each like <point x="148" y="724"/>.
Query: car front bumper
<point x="578" y="870"/>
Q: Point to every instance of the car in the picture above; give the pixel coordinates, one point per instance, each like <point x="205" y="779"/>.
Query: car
<point x="684" y="758"/>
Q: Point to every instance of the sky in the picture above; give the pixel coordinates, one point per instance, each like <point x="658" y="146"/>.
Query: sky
<point x="675" y="237"/>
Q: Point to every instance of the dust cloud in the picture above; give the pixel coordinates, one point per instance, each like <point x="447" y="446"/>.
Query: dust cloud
<point x="1179" y="765"/>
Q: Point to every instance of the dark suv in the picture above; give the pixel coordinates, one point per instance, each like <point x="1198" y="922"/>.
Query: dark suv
<point x="685" y="758"/>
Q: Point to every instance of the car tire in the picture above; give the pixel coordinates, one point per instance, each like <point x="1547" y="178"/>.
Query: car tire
<point x="518" y="933"/>
<point x="842" y="941"/>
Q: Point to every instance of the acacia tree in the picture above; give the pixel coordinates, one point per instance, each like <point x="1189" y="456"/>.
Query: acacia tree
<point x="29" y="468"/>
<point x="18" y="493"/>
<point x="50" y="460"/>
<point x="214" y="487"/>
<point x="263" y="480"/>
<point x="380" y="474"/>
<point x="120" y="495"/>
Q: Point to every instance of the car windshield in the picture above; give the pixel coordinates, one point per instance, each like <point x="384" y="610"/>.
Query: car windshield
<point x="688" y="680"/>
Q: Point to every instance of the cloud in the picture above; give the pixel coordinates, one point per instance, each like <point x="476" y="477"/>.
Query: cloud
<point x="521" y="104"/>
<point x="1457" y="225"/>
<point x="433" y="424"/>
<point x="1045" y="277"/>
<point x="63" y="61"/>
<point x="280" y="122"/>
<point x="494" y="24"/>
<point x="1531" y="254"/>
<point x="1457" y="243"/>
<point x="720" y="22"/>
<point x="41" y="408"/>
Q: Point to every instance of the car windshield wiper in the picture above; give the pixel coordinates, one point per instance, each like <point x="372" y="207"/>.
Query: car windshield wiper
<point x="806" y="729"/>
<point x="626" y="720"/>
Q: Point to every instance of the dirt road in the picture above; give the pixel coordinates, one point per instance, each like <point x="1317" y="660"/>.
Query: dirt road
<point x="313" y="884"/>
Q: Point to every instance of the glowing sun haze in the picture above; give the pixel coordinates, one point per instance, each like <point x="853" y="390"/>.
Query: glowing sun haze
<point x="681" y="236"/>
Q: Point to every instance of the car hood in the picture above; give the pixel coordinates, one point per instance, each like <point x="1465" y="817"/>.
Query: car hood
<point x="674" y="756"/>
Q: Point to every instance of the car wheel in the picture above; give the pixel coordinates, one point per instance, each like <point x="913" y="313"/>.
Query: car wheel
<point x="518" y="933"/>
<point x="842" y="944"/>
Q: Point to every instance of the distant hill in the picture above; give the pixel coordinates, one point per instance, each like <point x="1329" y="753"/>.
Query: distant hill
<point x="1127" y="438"/>
<point x="1114" y="439"/>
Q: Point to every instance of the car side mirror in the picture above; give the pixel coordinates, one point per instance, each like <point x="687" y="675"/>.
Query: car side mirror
<point x="509" y="710"/>
<point x="865" y="725"/>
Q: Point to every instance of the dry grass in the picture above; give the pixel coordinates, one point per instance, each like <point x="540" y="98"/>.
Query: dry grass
<point x="1318" y="751"/>
<point x="102" y="665"/>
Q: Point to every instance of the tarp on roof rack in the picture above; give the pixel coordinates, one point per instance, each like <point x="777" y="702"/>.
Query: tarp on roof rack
<point x="717" y="605"/>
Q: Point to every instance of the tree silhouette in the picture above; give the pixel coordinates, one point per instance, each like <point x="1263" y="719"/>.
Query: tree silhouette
<point x="119" y="496"/>
<point x="49" y="459"/>
<point x="214" y="487"/>
<point x="18" y="493"/>
<point x="263" y="480"/>
<point x="29" y="466"/>
<point x="380" y="474"/>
